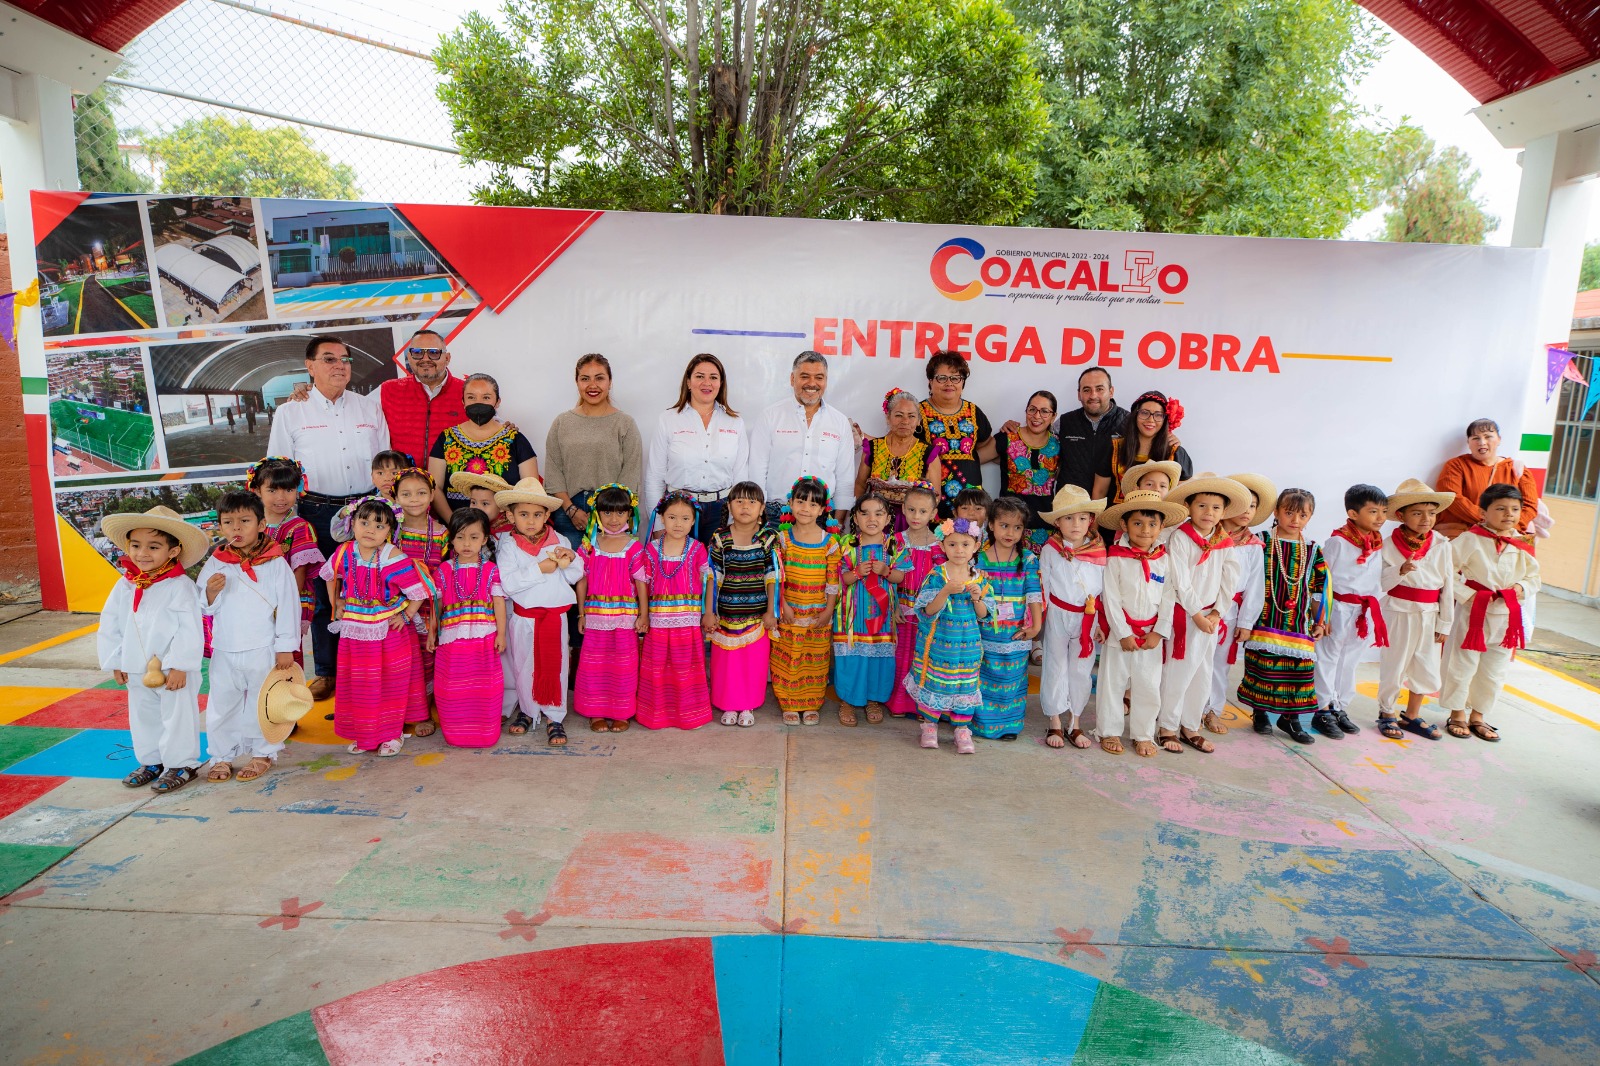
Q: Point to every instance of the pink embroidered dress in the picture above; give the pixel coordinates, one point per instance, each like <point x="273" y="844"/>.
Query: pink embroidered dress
<point x="469" y="683"/>
<point x="672" y="684"/>
<point x="378" y="682"/>
<point x="608" y="669"/>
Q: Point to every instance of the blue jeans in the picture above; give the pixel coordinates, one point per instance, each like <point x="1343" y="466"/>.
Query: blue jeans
<point x="324" y="645"/>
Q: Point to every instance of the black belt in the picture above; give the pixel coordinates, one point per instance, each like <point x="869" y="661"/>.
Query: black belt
<point x="332" y="501"/>
<point x="708" y="496"/>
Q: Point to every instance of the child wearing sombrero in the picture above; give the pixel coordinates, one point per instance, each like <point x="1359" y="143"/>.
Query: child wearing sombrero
<point x="151" y="639"/>
<point x="1072" y="571"/>
<point x="1136" y="616"/>
<point x="1241" y="609"/>
<point x="1418" y="603"/>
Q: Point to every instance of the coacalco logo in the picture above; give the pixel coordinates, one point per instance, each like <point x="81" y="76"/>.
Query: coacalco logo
<point x="1141" y="274"/>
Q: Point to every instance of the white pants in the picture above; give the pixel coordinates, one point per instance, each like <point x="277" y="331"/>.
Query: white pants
<point x="508" y="697"/>
<point x="1120" y="671"/>
<point x="1472" y="679"/>
<point x="1411" y="661"/>
<point x="1065" y="680"/>
<point x="232" y="728"/>
<point x="165" y="725"/>
<point x="1186" y="682"/>
<point x="1217" y="698"/>
<point x="1338" y="654"/>
<point x="519" y="641"/>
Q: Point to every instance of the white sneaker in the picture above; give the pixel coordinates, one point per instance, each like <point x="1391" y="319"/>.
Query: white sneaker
<point x="730" y="717"/>
<point x="747" y="718"/>
<point x="930" y="734"/>
<point x="964" y="744"/>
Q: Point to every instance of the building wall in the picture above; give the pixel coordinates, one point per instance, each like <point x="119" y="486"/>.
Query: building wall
<point x="1564" y="559"/>
<point x="19" y="564"/>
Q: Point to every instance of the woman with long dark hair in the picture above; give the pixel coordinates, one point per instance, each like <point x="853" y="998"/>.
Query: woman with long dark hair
<point x="701" y="446"/>
<point x="1146" y="436"/>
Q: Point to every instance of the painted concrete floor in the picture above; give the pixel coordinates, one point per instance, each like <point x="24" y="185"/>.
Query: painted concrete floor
<point x="746" y="896"/>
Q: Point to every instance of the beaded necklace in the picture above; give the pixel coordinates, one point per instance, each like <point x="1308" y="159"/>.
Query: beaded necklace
<point x="660" y="564"/>
<point x="1283" y="555"/>
<point x="478" y="591"/>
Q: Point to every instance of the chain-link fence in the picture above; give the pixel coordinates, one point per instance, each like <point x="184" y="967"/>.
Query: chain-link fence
<point x="288" y="97"/>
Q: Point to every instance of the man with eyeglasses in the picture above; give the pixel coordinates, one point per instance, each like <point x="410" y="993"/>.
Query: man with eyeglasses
<point x="425" y="403"/>
<point x="805" y="436"/>
<point x="333" y="435"/>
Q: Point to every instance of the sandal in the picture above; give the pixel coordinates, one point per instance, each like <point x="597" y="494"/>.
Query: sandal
<point x="1416" y="725"/>
<point x="1197" y="742"/>
<point x="847" y="714"/>
<point x="423" y="728"/>
<point x="1111" y="745"/>
<point x="390" y="748"/>
<point x="173" y="779"/>
<point x="259" y="765"/>
<point x="1145" y="749"/>
<point x="1389" y="727"/>
<point x="221" y="771"/>
<point x="874" y="712"/>
<point x="1077" y="737"/>
<point x="1213" y="723"/>
<point x="520" y="724"/>
<point x="555" y="734"/>
<point x="1055" y="738"/>
<point x="810" y="718"/>
<point x="1457" y="727"/>
<point x="143" y="775"/>
<point x="620" y="725"/>
<point x="599" y="725"/>
<point x="730" y="717"/>
<point x="1169" y="743"/>
<point x="791" y="717"/>
<point x="747" y="719"/>
<point x="1484" y="731"/>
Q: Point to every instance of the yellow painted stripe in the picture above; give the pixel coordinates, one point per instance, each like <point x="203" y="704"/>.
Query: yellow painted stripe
<point x="19" y="701"/>
<point x="1338" y="358"/>
<point x="11" y="656"/>
<point x="1557" y="673"/>
<point x="1173" y="303"/>
<point x="131" y="313"/>
<point x="1547" y="705"/>
<point x="77" y="319"/>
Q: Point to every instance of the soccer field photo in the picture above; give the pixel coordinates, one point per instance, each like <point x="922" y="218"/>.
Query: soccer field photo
<point x="100" y="419"/>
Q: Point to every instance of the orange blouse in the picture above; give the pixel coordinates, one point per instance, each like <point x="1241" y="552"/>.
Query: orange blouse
<point x="1467" y="478"/>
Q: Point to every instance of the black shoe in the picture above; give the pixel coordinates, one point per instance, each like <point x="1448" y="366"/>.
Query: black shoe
<point x="1324" y="723"/>
<point x="1291" y="724"/>
<point x="1262" y="723"/>
<point x="1344" y="723"/>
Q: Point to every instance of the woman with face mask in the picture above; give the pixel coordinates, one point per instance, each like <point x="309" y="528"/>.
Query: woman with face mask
<point x="483" y="444"/>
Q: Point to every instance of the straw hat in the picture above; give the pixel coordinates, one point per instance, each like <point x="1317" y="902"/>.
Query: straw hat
<point x="283" y="701"/>
<point x="528" y="490"/>
<point x="1237" y="495"/>
<point x="1130" y="477"/>
<point x="461" y="481"/>
<point x="1266" y="492"/>
<point x="191" y="539"/>
<point x="1413" y="491"/>
<point x="1143" y="500"/>
<point x="1071" y="500"/>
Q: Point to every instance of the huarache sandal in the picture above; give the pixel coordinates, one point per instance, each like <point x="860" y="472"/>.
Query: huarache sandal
<point x="1457" y="727"/>
<point x="810" y="718"/>
<point x="1077" y="737"/>
<point x="1213" y="723"/>
<point x="1169" y="743"/>
<point x="423" y="728"/>
<point x="875" y="712"/>
<point x="1416" y="725"/>
<point x="1055" y="738"/>
<point x="599" y="725"/>
<point x="520" y="724"/>
<point x="791" y="717"/>
<point x="1484" y="731"/>
<point x="555" y="734"/>
<point x="1145" y="749"/>
<point x="620" y="725"/>
<point x="173" y="779"/>
<point x="847" y="714"/>
<point x="1111" y="745"/>
<point x="1389" y="727"/>
<point x="221" y="771"/>
<point x="258" y="766"/>
<point x="1197" y="742"/>
<point x="143" y="775"/>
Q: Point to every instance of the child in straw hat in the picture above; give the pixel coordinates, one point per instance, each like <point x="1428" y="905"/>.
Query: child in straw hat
<point x="1240" y="609"/>
<point x="1136" y="617"/>
<point x="1157" y="476"/>
<point x="1072" y="570"/>
<point x="151" y="632"/>
<point x="1354" y="555"/>
<point x="1205" y="572"/>
<point x="1418" y="604"/>
<point x="480" y="490"/>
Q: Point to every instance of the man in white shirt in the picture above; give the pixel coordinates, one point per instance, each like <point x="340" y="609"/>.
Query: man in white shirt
<point x="333" y="435"/>
<point x="805" y="436"/>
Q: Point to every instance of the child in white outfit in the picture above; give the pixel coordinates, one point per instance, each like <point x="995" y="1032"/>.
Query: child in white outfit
<point x="1072" y="569"/>
<point x="1418" y="605"/>
<point x="1245" y="603"/>
<point x="1354" y="557"/>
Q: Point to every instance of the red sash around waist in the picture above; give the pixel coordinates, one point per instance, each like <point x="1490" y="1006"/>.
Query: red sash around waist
<point x="1088" y="609"/>
<point x="549" y="645"/>
<point x="1369" y="606"/>
<point x="1482" y="597"/>
<point x="1415" y="595"/>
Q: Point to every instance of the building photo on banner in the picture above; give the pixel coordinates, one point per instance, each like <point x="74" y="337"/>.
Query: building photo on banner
<point x="1294" y="358"/>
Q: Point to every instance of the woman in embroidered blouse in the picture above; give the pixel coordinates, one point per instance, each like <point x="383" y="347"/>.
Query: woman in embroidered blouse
<point x="483" y="444"/>
<point x="957" y="424"/>
<point x="892" y="463"/>
<point x="1029" y="454"/>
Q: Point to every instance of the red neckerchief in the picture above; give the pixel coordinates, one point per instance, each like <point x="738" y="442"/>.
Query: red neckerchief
<point x="141" y="580"/>
<point x="1247" y="539"/>
<point x="1369" y="543"/>
<point x="1093" y="550"/>
<point x="1119" y="551"/>
<point x="1499" y="541"/>
<point x="270" y="549"/>
<point x="1401" y="539"/>
<point x="1219" y="540"/>
<point x="529" y="546"/>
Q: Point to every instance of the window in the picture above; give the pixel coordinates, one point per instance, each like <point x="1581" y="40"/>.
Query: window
<point x="1574" y="448"/>
<point x="299" y="236"/>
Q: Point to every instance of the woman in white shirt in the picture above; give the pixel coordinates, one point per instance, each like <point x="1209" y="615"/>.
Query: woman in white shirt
<point x="700" y="445"/>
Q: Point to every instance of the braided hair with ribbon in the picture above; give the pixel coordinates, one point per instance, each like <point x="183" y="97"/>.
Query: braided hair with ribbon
<point x="276" y="472"/>
<point x="610" y="499"/>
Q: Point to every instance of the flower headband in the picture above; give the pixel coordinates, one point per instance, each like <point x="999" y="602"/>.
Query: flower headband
<point x="252" y="473"/>
<point x="828" y="522"/>
<point x="677" y="496"/>
<point x="414" y="471"/>
<point x="965" y="526"/>
<point x="888" y="398"/>
<point x="592" y="526"/>
<point x="1171" y="409"/>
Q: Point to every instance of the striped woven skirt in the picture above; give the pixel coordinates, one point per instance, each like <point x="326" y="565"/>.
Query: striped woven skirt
<point x="468" y="688"/>
<point x="417" y="710"/>
<point x="905" y="651"/>
<point x="608" y="674"/>
<point x="944" y="679"/>
<point x="375" y="684"/>
<point x="740" y="654"/>
<point x="1278" y="684"/>
<point x="1003" y="677"/>
<point x="672" y="684"/>
<point x="800" y="665"/>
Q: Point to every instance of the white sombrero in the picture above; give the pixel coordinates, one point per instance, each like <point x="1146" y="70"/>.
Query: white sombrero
<point x="283" y="701"/>
<point x="1236" y="494"/>
<point x="1069" y="501"/>
<point x="1143" y="500"/>
<point x="191" y="539"/>
<point x="1413" y="491"/>
<point x="461" y="481"/>
<point x="528" y="490"/>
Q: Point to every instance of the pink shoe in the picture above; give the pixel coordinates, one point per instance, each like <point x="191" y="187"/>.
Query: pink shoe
<point x="964" y="745"/>
<point x="930" y="734"/>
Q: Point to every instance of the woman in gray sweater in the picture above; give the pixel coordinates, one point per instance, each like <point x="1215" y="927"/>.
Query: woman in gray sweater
<point x="593" y="444"/>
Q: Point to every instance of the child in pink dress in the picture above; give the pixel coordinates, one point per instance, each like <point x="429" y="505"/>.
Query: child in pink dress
<point x="615" y="604"/>
<point x="469" y="634"/>
<point x="424" y="539"/>
<point x="672" y="684"/>
<point x="916" y="552"/>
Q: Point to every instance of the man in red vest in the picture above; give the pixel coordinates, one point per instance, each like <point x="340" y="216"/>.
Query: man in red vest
<point x="420" y="406"/>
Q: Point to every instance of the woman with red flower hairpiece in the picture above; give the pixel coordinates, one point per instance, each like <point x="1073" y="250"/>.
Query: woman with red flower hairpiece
<point x="1146" y="437"/>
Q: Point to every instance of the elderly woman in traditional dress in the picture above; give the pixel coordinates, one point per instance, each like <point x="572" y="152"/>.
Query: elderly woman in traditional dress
<point x="892" y="462"/>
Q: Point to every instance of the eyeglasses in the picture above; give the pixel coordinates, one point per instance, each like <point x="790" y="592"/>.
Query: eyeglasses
<point x="1151" y="416"/>
<point x="1041" y="411"/>
<point x="947" y="379"/>
<point x="334" y="360"/>
<point x="424" y="353"/>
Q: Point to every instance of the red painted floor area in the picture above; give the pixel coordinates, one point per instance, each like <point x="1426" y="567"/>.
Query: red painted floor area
<point x="19" y="790"/>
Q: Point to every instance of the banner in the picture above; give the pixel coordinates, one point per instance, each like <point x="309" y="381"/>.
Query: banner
<point x="177" y="325"/>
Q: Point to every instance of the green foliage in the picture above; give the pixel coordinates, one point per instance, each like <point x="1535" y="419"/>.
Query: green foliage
<point x="1429" y="192"/>
<point x="1203" y="116"/>
<point x="1589" y="273"/>
<point x="918" y="110"/>
<point x="220" y="157"/>
<point x="100" y="164"/>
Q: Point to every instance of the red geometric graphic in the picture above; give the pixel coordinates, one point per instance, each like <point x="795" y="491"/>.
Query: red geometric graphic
<point x="498" y="251"/>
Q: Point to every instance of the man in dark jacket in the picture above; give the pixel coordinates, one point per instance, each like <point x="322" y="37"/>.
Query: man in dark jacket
<point x="1084" y="434"/>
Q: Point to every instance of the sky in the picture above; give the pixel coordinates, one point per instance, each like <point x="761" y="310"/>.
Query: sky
<point x="333" y="80"/>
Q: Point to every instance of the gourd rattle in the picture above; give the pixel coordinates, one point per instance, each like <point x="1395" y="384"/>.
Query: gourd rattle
<point x="154" y="676"/>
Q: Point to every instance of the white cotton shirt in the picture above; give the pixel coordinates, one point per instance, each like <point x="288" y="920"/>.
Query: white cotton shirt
<point x="248" y="615"/>
<point x="334" y="440"/>
<point x="1347" y="576"/>
<point x="686" y="453"/>
<point x="167" y="626"/>
<point x="1129" y="595"/>
<point x="1434" y="571"/>
<point x="1199" y="586"/>
<point x="783" y="449"/>
<point x="525" y="584"/>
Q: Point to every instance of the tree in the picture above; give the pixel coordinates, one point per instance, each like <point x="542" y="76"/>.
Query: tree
<point x="1429" y="191"/>
<point x="919" y="110"/>
<point x="94" y="128"/>
<point x="1589" y="273"/>
<point x="217" y="156"/>
<point x="1203" y="116"/>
